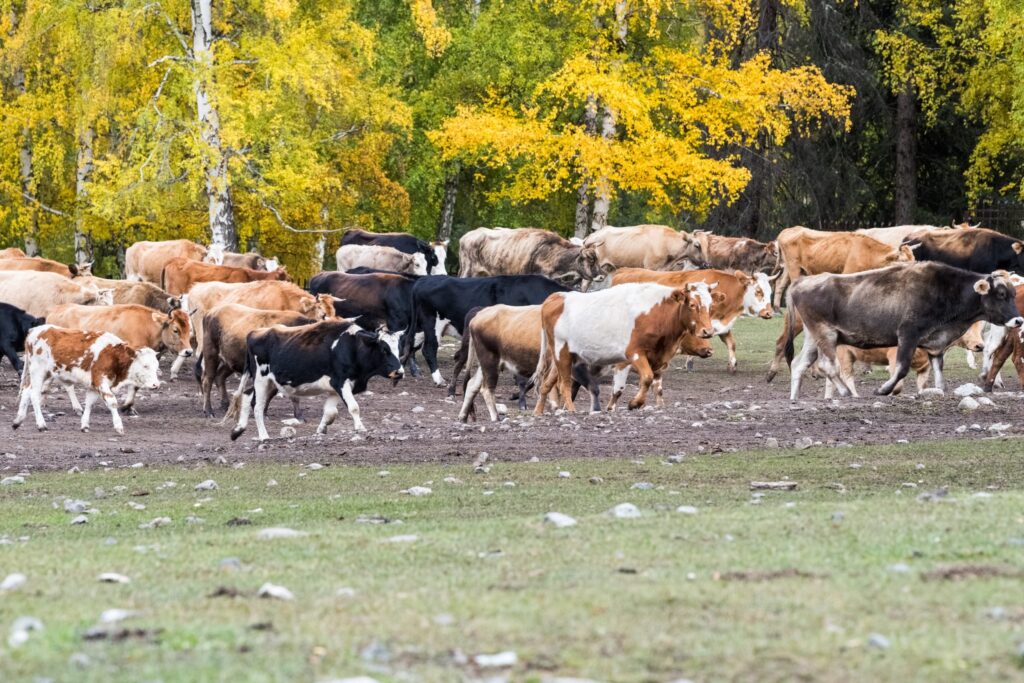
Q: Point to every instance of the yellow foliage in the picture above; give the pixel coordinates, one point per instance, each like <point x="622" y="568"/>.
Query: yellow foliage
<point x="436" y="38"/>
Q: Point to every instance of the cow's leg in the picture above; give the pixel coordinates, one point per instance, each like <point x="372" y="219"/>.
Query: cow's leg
<point x="730" y="344"/>
<point x="297" y="412"/>
<point x="353" y="407"/>
<point x="828" y="389"/>
<point x="971" y="362"/>
<point x="108" y="397"/>
<point x="643" y="368"/>
<point x="129" y="400"/>
<point x="619" y="378"/>
<point x="430" y="346"/>
<point x="90" y="400"/>
<point x="330" y="413"/>
<point x="176" y="365"/>
<point x="1001" y="348"/>
<point x="523" y="386"/>
<point x="847" y="361"/>
<point x="460" y="358"/>
<point x="262" y="396"/>
<point x="246" y="400"/>
<point x="470" y="392"/>
<point x="581" y="376"/>
<point x="937" y="361"/>
<point x="780" y="345"/>
<point x="546" y="385"/>
<point x="656" y="386"/>
<point x="904" y="357"/>
<point x="923" y="375"/>
<point x="808" y="355"/>
<point x="8" y="351"/>
<point x="563" y="367"/>
<point x="780" y="288"/>
<point x="689" y="363"/>
<point x="75" y="405"/>
<point x="1018" y="356"/>
<point x="26" y="395"/>
<point x="828" y="361"/>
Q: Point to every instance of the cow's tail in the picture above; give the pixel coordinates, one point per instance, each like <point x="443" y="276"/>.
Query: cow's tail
<point x="471" y="359"/>
<point x="410" y="334"/>
<point x="791" y="324"/>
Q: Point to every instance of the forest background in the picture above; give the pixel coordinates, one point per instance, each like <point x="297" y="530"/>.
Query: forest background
<point x="277" y="124"/>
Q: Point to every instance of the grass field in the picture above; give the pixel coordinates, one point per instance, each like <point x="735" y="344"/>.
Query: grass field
<point x="609" y="599"/>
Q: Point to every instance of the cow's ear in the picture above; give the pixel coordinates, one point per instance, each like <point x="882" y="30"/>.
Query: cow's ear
<point x="717" y="297"/>
<point x="983" y="286"/>
<point x="680" y="295"/>
<point x="162" y="318"/>
<point x="743" y="277"/>
<point x="1018" y="247"/>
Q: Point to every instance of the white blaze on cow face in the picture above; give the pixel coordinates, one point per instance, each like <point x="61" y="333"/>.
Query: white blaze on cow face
<point x="441" y="251"/>
<point x="701" y="292"/>
<point x="391" y="339"/>
<point x="145" y="370"/>
<point x="757" y="297"/>
<point x="419" y="264"/>
<point x="272" y="264"/>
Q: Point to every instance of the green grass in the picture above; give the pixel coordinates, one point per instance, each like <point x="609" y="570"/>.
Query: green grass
<point x="610" y="599"/>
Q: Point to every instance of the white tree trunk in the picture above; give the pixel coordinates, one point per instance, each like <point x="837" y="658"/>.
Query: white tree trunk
<point x="215" y="165"/>
<point x="602" y="192"/>
<point x="25" y="165"/>
<point x="83" y="241"/>
<point x="320" y="253"/>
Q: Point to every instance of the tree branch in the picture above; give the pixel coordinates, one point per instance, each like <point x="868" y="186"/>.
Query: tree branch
<point x="283" y="224"/>
<point x="44" y="207"/>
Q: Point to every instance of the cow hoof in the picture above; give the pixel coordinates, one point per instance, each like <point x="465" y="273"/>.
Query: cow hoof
<point x="771" y="376"/>
<point x="689" y="365"/>
<point x="235" y="433"/>
<point x="732" y="369"/>
<point x="120" y="432"/>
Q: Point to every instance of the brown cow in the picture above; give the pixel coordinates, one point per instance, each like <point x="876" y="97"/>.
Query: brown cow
<point x="181" y="274"/>
<point x="632" y="325"/>
<point x="44" y="265"/>
<point x="741" y="295"/>
<point x="223" y="350"/>
<point x="37" y="293"/>
<point x="146" y="260"/>
<point x="735" y="253"/>
<point x="100" y="362"/>
<point x="525" y="251"/>
<point x="654" y="247"/>
<point x="135" y="292"/>
<point x="1010" y="345"/>
<point x="138" y="326"/>
<point x="11" y="252"/>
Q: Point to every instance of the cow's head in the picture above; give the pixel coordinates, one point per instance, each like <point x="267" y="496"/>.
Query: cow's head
<point x="320" y="307"/>
<point x="281" y="275"/>
<point x="757" y="294"/>
<point x="175" y="331"/>
<point x="215" y="254"/>
<point x="998" y="299"/>
<point x="695" y="302"/>
<point x="974" y="338"/>
<point x="440" y="250"/>
<point x="144" y="372"/>
<point x="378" y="355"/>
<point x="419" y="264"/>
<point x="903" y="254"/>
<point x="174" y="302"/>
<point x="588" y="262"/>
<point x="83" y="269"/>
<point x="270" y="264"/>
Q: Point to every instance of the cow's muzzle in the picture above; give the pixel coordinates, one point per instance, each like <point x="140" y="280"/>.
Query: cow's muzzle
<point x="705" y="353"/>
<point x="396" y="375"/>
<point x="706" y="333"/>
<point x="1015" y="322"/>
<point x="766" y="313"/>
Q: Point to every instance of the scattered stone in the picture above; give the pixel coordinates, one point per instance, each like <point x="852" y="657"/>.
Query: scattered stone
<point x="931" y="392"/>
<point x="403" y="538"/>
<point x="275" y="532"/>
<point x="564" y="475"/>
<point x="272" y="482"/>
<point x="75" y="506"/>
<point x="877" y="640"/>
<point x="208" y="485"/>
<point x="968" y="389"/>
<point x="962" y="429"/>
<point x="155" y="522"/>
<point x="596" y="480"/>
<point x="999" y="427"/>
<point x="80" y="660"/>
<point x="771" y="442"/>
<point x="192" y="519"/>
<point x="773" y="485"/>
<point x="314" y="466"/>
<point x="899" y="568"/>
<point x="986" y="401"/>
<point x="8" y="481"/>
<point x="496" y="661"/>
<point x="452" y="480"/>
<point x="13" y="582"/>
<point x="686" y="509"/>
<point x="932" y="496"/>
<point x="418" y="409"/>
<point x="287" y="432"/>
<point x="112" y="577"/>
<point x="417" y="491"/>
<point x="642" y="486"/>
<point x="838" y="516"/>
<point x="803" y="443"/>
<point x="116" y="614"/>
<point x="21" y="629"/>
<point x="270" y="590"/>
<point x="136" y="506"/>
<point x="345" y="592"/>
<point x="625" y="511"/>
<point x="80" y="519"/>
<point x="559" y="520"/>
<point x="969" y="404"/>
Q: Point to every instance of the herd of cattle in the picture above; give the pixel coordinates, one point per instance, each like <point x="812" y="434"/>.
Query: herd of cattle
<point x="554" y="312"/>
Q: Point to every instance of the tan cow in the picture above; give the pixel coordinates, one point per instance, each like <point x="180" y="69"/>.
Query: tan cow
<point x="146" y="260"/>
<point x="11" y="252"/>
<point x="44" y="265"/>
<point x="138" y="326"/>
<point x="135" y="292"/>
<point x="735" y="253"/>
<point x="654" y="247"/>
<point x="181" y="274"/>
<point x="895" y="236"/>
<point x="525" y="251"/>
<point x="737" y="294"/>
<point x="224" y="333"/>
<point x="350" y="256"/>
<point x="38" y="293"/>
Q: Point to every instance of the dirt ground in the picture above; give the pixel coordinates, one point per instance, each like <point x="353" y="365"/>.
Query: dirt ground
<point x="707" y="410"/>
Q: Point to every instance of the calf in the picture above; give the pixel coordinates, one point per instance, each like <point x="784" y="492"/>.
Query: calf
<point x="503" y="336"/>
<point x="100" y="362"/>
<point x="336" y="357"/>
<point x="927" y="305"/>
<point x="441" y="303"/>
<point x="736" y="294"/>
<point x="638" y="325"/>
<point x="350" y="256"/>
<point x="224" y="334"/>
<point x="14" y="327"/>
<point x="434" y="253"/>
<point x="181" y="274"/>
<point x="146" y="260"/>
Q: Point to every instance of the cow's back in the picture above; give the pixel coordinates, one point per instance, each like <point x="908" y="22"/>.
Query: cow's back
<point x="146" y="260"/>
<point x="38" y="292"/>
<point x="977" y="249"/>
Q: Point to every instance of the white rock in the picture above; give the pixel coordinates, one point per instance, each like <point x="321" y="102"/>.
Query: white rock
<point x="21" y="628"/>
<point x="136" y="506"/>
<point x="353" y="679"/>
<point x="642" y="486"/>
<point x="272" y="482"/>
<point x="270" y="590"/>
<point x="345" y="592"/>
<point x="687" y="509"/>
<point x="13" y="582"/>
<point x="564" y="475"/>
<point x="968" y="403"/>
<point x="968" y="389"/>
<point x="75" y="506"/>
<point x="314" y="466"/>
<point x="418" y="491"/>
<point x="116" y="614"/>
<point x="112" y="577"/>
<point x="275" y="532"/>
<point x="931" y="391"/>
<point x="7" y="481"/>
<point x="559" y="520"/>
<point x="287" y="432"/>
<point x="291" y="422"/>
<point x="496" y="661"/>
<point x="961" y="429"/>
<point x="208" y="485"/>
<point x="418" y="409"/>
<point x="999" y="427"/>
<point x="155" y="522"/>
<point x="402" y="538"/>
<point x="80" y="519"/>
<point x="985" y="401"/>
<point x="625" y="511"/>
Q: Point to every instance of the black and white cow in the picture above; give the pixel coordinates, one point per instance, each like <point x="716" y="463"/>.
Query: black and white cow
<point x="14" y="326"/>
<point x="435" y="253"/>
<point x="441" y="302"/>
<point x="925" y="305"/>
<point x="334" y="357"/>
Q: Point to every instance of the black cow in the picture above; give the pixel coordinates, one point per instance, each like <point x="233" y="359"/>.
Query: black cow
<point x="403" y="242"/>
<point x="331" y="357"/>
<point x="14" y="325"/>
<point x="977" y="250"/>
<point x="377" y="301"/>
<point x="440" y="301"/>
<point x="915" y="305"/>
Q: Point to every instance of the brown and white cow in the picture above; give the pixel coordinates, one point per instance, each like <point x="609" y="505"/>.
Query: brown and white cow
<point x="654" y="247"/>
<point x="638" y="325"/>
<point x="146" y="260"/>
<point x="99" y="362"/>
<point x="11" y="252"/>
<point x="37" y="293"/>
<point x="525" y="251"/>
<point x="351" y="256"/>
<point x="1003" y="344"/>
<point x="223" y="348"/>
<point x="735" y="253"/>
<point x="136" y="292"/>
<point x="181" y="274"/>
<point x="740" y="295"/>
<point x="44" y="265"/>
